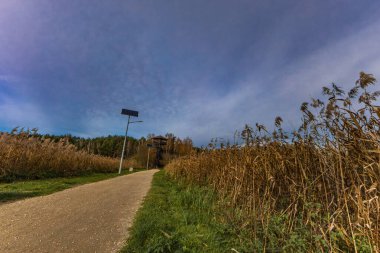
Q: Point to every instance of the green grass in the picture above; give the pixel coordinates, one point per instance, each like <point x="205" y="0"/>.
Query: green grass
<point x="179" y="218"/>
<point x="31" y="188"/>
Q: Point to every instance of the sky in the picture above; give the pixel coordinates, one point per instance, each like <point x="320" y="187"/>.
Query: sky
<point x="198" y="69"/>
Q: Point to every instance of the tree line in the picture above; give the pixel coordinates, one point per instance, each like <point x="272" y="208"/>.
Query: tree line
<point x="112" y="145"/>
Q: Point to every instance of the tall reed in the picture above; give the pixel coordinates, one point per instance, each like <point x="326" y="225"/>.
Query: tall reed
<point x="25" y="155"/>
<point x="317" y="186"/>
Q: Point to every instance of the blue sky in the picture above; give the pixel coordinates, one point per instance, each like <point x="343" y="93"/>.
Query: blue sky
<point x="194" y="68"/>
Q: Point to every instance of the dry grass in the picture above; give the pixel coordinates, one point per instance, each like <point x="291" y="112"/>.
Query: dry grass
<point x="323" y="178"/>
<point x="24" y="155"/>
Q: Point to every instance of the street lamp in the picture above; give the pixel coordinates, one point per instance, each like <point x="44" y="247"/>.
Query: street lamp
<point x="147" y="161"/>
<point x="129" y="113"/>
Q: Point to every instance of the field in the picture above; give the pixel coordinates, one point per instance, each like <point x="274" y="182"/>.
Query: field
<point x="26" y="155"/>
<point x="31" y="165"/>
<point x="313" y="190"/>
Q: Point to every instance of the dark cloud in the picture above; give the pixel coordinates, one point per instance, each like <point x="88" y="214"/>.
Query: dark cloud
<point x="198" y="68"/>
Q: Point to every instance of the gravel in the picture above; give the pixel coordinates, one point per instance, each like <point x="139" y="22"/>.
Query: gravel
<point x="89" y="218"/>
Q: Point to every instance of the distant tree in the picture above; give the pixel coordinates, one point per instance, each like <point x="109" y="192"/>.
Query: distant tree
<point x="112" y="146"/>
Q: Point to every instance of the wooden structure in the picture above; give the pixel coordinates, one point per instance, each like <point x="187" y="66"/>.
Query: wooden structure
<point x="158" y="142"/>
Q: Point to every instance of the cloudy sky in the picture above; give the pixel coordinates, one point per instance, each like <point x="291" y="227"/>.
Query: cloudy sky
<point x="194" y="68"/>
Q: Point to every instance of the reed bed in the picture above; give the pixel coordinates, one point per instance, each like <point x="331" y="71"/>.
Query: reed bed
<point x="25" y="155"/>
<point x="313" y="190"/>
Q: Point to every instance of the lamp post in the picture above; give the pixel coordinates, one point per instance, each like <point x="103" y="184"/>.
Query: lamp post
<point x="129" y="113"/>
<point x="147" y="160"/>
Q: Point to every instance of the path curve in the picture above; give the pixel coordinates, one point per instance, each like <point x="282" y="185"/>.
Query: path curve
<point x="93" y="217"/>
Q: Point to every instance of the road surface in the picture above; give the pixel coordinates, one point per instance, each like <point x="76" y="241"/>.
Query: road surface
<point x="89" y="218"/>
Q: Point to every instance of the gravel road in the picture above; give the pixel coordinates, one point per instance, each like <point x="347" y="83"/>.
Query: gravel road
<point x="89" y="218"/>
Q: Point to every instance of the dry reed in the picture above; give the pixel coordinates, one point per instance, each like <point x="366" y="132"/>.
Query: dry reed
<point x="24" y="155"/>
<point x="324" y="177"/>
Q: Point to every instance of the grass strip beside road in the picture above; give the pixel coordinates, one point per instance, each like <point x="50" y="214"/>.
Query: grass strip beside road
<point x="31" y="188"/>
<point x="179" y="218"/>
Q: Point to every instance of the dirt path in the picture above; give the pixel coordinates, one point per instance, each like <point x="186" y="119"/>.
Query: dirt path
<point x="89" y="218"/>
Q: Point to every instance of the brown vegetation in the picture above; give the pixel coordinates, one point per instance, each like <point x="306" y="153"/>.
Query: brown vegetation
<point x="23" y="154"/>
<point x="316" y="189"/>
<point x="136" y="149"/>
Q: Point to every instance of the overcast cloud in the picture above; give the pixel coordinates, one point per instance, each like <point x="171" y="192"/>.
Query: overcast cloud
<point x="195" y="68"/>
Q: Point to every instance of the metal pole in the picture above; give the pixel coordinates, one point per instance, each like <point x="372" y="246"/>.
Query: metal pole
<point x="127" y="149"/>
<point x="125" y="140"/>
<point x="147" y="162"/>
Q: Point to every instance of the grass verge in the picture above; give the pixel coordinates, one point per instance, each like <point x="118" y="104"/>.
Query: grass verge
<point x="32" y="188"/>
<point x="180" y="218"/>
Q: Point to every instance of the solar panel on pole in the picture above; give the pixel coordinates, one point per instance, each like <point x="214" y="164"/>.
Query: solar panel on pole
<point x="129" y="113"/>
